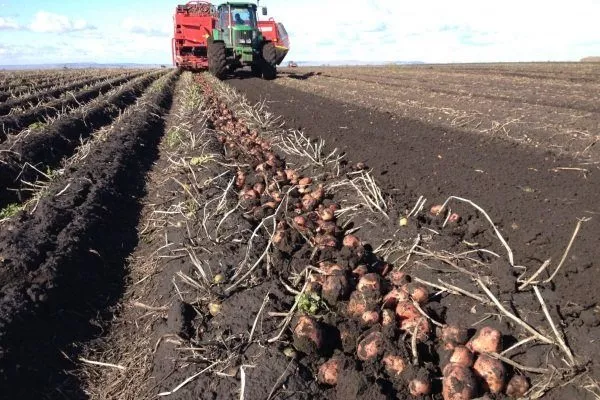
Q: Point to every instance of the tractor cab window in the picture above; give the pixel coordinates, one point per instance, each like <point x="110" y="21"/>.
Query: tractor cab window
<point x="242" y="16"/>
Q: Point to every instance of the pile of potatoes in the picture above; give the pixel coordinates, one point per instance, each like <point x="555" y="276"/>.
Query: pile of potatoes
<point x="381" y="303"/>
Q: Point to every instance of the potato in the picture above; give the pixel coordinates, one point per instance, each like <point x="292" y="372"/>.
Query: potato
<point x="393" y="297"/>
<point x="486" y="340"/>
<point x="417" y="292"/>
<point x="394" y="365"/>
<point x="398" y="278"/>
<point x="370" y="347"/>
<point x="462" y="356"/>
<point x="405" y="310"/>
<point x="420" y="386"/>
<point x="458" y="383"/>
<point x="492" y="372"/>
<point x="369" y="318"/>
<point x="335" y="288"/>
<point x="453" y="336"/>
<point x="357" y="305"/>
<point x="369" y="284"/>
<point x="328" y="372"/>
<point x="308" y="335"/>
<point x="351" y="241"/>
<point x="517" y="387"/>
<point x="360" y="271"/>
<point x="388" y="318"/>
<point x="421" y="324"/>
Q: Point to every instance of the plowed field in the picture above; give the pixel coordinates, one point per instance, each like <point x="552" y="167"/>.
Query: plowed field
<point x="167" y="235"/>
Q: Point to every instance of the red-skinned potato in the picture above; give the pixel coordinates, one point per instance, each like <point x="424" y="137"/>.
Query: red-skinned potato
<point x="406" y="310"/>
<point x="360" y="271"/>
<point x="420" y="386"/>
<point x="453" y="335"/>
<point x="308" y="336"/>
<point x="398" y="278"/>
<point x="369" y="283"/>
<point x="393" y="297"/>
<point x="351" y="241"/>
<point x="421" y="324"/>
<point x="492" y="372"/>
<point x="459" y="383"/>
<point x="462" y="356"/>
<point x="388" y="318"/>
<point x="335" y="288"/>
<point x="517" y="387"/>
<point x="486" y="340"/>
<point x="357" y="305"/>
<point x="417" y="292"/>
<point x="454" y="218"/>
<point x="369" y="318"/>
<point x="329" y="371"/>
<point x="394" y="365"/>
<point x="370" y="347"/>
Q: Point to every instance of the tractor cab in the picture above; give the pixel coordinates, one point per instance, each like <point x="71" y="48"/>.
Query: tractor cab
<point x="238" y="28"/>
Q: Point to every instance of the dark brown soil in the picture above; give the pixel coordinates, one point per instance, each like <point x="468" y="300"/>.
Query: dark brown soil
<point x="534" y="204"/>
<point x="62" y="265"/>
<point x="46" y="147"/>
<point x="14" y="123"/>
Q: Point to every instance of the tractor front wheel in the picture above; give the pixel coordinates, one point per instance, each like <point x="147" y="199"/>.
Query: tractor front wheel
<point x="217" y="61"/>
<point x="269" y="61"/>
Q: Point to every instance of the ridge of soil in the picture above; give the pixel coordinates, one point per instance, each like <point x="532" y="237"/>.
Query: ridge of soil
<point x="62" y="265"/>
<point x="46" y="147"/>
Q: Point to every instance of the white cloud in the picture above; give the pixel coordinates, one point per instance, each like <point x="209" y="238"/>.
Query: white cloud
<point x="8" y="24"/>
<point x="46" y="22"/>
<point x="146" y="27"/>
<point x="441" y="31"/>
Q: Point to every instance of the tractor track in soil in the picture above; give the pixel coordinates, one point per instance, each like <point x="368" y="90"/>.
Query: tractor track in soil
<point x="57" y="91"/>
<point x="62" y="265"/>
<point x="44" y="149"/>
<point x="14" y="123"/>
<point x="534" y="204"/>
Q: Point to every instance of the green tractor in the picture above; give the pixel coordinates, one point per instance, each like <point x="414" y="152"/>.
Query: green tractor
<point x="237" y="42"/>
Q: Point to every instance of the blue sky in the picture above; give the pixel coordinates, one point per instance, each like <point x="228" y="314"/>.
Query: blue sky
<point x="107" y="31"/>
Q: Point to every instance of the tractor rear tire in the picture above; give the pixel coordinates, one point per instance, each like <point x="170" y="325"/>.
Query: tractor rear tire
<point x="269" y="62"/>
<point x="256" y="70"/>
<point x="217" y="60"/>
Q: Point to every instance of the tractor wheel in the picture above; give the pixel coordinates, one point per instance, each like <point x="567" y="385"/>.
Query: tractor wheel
<point x="256" y="70"/>
<point x="217" y="62"/>
<point x="269" y="61"/>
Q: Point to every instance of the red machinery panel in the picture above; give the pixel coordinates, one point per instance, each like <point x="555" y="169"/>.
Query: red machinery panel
<point x="193" y="23"/>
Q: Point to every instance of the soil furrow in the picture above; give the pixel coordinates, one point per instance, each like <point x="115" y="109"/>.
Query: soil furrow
<point x="14" y="123"/>
<point x="63" y="265"/>
<point x="44" y="149"/>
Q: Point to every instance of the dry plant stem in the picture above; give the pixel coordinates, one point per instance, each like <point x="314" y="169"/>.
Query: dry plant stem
<point x="188" y="380"/>
<point x="290" y="315"/>
<point x="518" y="344"/>
<point x="452" y="289"/>
<point x="536" y="274"/>
<point x="519" y="321"/>
<point x="517" y="365"/>
<point x="262" y="307"/>
<point x="102" y="364"/>
<point x="243" y="380"/>
<point x="481" y="210"/>
<point x="413" y="343"/>
<point x="564" y="257"/>
<point x="559" y="337"/>
<point x="424" y="314"/>
<point x="279" y="380"/>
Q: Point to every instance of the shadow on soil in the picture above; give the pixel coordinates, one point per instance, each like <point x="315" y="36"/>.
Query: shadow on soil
<point x="89" y="282"/>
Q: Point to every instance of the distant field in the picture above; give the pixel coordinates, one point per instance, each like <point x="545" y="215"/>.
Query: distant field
<point x="548" y="105"/>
